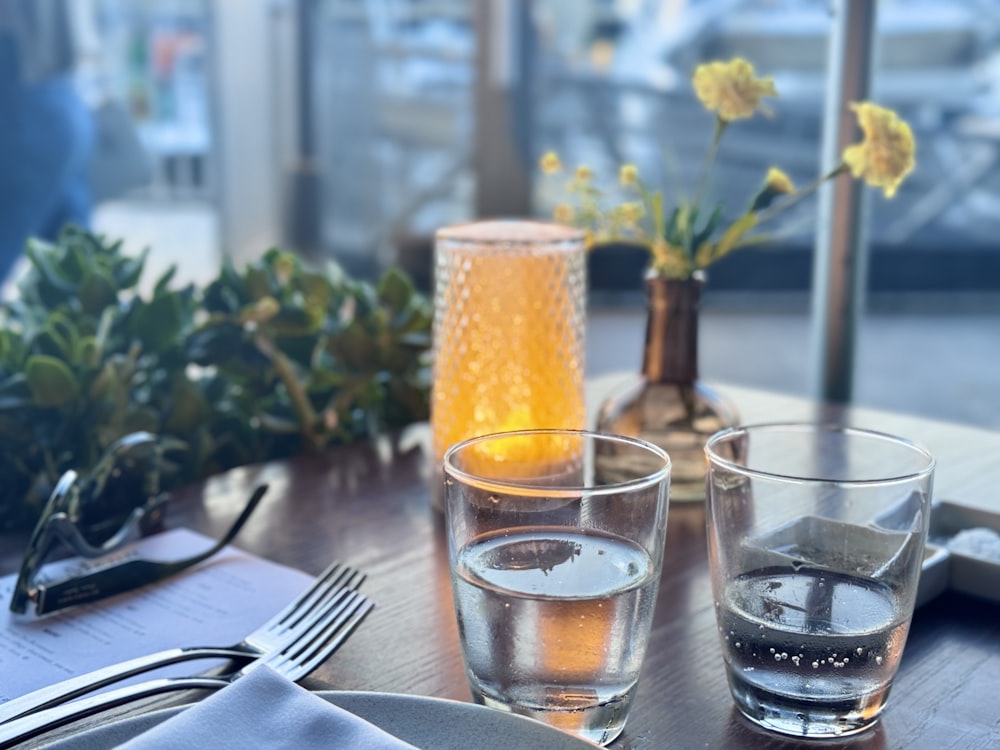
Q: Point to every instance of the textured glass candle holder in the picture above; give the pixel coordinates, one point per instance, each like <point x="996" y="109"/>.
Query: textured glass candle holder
<point x="509" y="311"/>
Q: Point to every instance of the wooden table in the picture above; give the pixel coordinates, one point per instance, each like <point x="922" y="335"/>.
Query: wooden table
<point x="368" y="505"/>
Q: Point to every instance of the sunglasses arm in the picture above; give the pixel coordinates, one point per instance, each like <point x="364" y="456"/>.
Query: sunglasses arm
<point x="128" y="574"/>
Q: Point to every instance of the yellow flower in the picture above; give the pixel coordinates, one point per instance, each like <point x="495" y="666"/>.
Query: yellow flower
<point x="669" y="261"/>
<point x="686" y="235"/>
<point x="731" y="88"/>
<point x="550" y="163"/>
<point x="660" y="250"/>
<point x="887" y="153"/>
<point x="563" y="213"/>
<point x="629" y="213"/>
<point x="779" y="182"/>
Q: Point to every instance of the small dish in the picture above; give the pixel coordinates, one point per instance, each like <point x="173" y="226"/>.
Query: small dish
<point x="796" y="541"/>
<point x="968" y="572"/>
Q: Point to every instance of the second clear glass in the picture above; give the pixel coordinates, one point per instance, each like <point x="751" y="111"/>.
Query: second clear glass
<point x="816" y="538"/>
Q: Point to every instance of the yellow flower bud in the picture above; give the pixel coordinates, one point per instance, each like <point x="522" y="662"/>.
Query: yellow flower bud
<point x="628" y="174"/>
<point x="563" y="213"/>
<point x="629" y="213"/>
<point x="550" y="163"/>
<point x="779" y="182"/>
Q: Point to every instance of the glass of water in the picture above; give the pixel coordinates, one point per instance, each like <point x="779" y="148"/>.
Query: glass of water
<point x="556" y="546"/>
<point x="816" y="538"/>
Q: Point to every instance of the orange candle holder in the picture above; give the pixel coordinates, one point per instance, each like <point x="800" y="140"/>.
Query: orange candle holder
<point x="509" y="312"/>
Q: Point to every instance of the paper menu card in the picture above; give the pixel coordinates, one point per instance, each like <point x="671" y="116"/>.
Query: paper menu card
<point x="215" y="603"/>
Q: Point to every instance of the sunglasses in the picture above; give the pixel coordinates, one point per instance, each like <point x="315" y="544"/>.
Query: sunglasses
<point x="105" y="570"/>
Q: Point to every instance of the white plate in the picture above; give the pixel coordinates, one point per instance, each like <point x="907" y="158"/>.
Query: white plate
<point x="429" y="723"/>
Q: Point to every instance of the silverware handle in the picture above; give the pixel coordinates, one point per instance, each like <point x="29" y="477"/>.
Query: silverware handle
<point x="74" y="687"/>
<point x="26" y="727"/>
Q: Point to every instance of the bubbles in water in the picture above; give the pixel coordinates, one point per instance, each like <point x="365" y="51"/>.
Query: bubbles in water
<point x="878" y="660"/>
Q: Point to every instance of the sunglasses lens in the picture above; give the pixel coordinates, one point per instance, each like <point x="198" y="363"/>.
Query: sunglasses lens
<point x="130" y="480"/>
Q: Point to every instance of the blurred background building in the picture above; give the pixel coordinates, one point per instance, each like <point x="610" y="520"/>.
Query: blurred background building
<point x="351" y="129"/>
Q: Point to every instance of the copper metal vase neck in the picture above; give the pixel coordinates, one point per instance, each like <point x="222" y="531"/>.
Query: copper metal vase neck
<point x="671" y="351"/>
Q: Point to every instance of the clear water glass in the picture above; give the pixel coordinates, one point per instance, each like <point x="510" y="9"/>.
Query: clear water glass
<point x="556" y="546"/>
<point x="816" y="539"/>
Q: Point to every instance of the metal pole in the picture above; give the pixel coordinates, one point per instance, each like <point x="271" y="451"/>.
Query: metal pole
<point x="502" y="102"/>
<point x="304" y="207"/>
<point x="841" y="261"/>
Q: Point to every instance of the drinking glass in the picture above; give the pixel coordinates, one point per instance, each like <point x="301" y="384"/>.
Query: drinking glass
<point x="556" y="540"/>
<point x="509" y="310"/>
<point x="816" y="537"/>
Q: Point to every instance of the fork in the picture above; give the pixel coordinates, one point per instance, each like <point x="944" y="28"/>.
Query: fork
<point x="294" y="661"/>
<point x="276" y="633"/>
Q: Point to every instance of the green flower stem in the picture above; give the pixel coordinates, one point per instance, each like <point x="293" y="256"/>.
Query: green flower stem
<point x="713" y="151"/>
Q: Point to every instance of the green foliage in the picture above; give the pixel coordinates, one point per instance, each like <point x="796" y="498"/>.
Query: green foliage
<point x="261" y="364"/>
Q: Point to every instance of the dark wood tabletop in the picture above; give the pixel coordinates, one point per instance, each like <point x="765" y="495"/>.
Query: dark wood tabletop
<point x="369" y="505"/>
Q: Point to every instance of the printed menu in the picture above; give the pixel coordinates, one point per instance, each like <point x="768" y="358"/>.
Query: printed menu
<point x="215" y="603"/>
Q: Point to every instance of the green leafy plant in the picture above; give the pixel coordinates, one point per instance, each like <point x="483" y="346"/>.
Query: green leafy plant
<point x="263" y="363"/>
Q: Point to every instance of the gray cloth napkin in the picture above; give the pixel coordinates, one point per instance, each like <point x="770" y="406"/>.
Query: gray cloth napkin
<point x="265" y="711"/>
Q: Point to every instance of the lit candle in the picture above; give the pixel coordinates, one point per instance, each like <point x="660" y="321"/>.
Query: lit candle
<point x="508" y="331"/>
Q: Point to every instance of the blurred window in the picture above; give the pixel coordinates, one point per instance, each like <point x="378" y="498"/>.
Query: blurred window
<point x="154" y="57"/>
<point x="609" y="82"/>
<point x="613" y="86"/>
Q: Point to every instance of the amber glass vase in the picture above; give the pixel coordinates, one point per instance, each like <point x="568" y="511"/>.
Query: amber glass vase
<point x="667" y="404"/>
